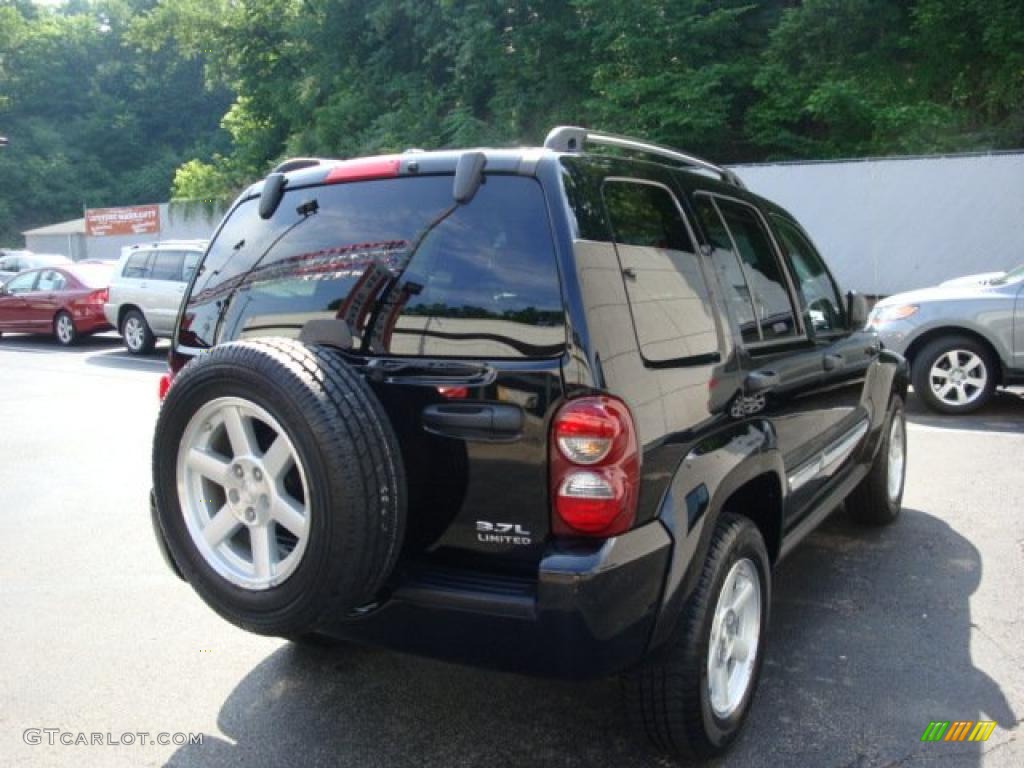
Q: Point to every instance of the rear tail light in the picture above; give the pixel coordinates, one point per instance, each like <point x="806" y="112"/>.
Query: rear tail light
<point x="165" y="384"/>
<point x="98" y="297"/>
<point x="595" y="468"/>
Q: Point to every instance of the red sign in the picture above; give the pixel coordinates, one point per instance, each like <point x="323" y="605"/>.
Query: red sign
<point x="135" y="220"/>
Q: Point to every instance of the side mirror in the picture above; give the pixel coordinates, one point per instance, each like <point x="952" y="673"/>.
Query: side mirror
<point x="856" y="310"/>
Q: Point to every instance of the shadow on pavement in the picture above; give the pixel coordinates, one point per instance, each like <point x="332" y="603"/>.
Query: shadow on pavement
<point x="123" y="359"/>
<point x="870" y="641"/>
<point x="1004" y="413"/>
<point x="23" y="342"/>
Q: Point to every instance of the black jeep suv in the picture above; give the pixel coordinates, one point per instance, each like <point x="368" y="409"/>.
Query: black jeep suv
<point x="551" y="410"/>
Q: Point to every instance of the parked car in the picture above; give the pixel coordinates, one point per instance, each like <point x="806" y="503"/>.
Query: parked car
<point x="963" y="338"/>
<point x="65" y="301"/>
<point x="146" y="290"/>
<point x="547" y="410"/>
<point x="13" y="262"/>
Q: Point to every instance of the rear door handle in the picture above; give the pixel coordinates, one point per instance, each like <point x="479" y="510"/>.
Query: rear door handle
<point x="832" y="362"/>
<point x="479" y="421"/>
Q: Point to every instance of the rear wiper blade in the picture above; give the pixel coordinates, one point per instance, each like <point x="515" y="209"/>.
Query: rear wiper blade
<point x="383" y="369"/>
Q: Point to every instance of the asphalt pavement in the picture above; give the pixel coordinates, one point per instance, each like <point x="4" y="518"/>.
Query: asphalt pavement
<point x="873" y="633"/>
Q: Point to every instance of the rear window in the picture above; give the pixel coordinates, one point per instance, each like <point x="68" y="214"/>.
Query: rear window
<point x="408" y="270"/>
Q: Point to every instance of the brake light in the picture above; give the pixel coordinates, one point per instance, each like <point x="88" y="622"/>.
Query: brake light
<point x="453" y="393"/>
<point x="98" y="297"/>
<point x="595" y="468"/>
<point x="383" y="167"/>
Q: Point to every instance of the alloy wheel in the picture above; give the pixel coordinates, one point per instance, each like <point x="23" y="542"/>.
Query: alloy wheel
<point x="65" y="329"/>
<point x="897" y="458"/>
<point x="243" y="493"/>
<point x="958" y="377"/>
<point x="735" y="638"/>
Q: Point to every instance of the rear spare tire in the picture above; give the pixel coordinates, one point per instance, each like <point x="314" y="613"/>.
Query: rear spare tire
<point x="279" y="484"/>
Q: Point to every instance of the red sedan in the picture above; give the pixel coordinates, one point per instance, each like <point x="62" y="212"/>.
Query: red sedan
<point x="65" y="301"/>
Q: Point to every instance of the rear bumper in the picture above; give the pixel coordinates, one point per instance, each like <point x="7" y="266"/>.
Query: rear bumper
<point x="589" y="613"/>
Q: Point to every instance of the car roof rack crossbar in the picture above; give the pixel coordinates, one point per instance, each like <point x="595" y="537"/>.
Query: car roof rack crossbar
<point x="568" y="138"/>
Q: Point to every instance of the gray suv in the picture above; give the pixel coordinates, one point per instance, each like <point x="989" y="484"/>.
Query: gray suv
<point x="146" y="290"/>
<point x="963" y="338"/>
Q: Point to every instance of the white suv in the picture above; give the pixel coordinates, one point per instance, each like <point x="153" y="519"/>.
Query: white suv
<point x="146" y="290"/>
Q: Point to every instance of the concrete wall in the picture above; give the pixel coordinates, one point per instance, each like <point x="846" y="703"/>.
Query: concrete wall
<point x="892" y="225"/>
<point x="72" y="246"/>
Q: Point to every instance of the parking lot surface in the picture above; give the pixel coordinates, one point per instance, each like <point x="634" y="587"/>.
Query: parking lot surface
<point x="874" y="633"/>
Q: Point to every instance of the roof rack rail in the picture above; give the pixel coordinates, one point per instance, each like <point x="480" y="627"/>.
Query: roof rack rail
<point x="568" y="138"/>
<point x="295" y="163"/>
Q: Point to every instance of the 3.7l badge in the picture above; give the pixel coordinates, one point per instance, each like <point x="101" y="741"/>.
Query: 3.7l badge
<point x="502" y="533"/>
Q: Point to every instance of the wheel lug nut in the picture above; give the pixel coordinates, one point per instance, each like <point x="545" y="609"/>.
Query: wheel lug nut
<point x="233" y="496"/>
<point x="257" y="474"/>
<point x="250" y="514"/>
<point x="237" y="469"/>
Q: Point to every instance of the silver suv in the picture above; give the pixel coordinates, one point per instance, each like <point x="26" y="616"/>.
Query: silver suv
<point x="146" y="290"/>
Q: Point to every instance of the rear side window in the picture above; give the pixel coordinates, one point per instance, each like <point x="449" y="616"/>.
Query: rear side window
<point x="166" y="265"/>
<point x="137" y="265"/>
<point x="411" y="272"/>
<point x="51" y="280"/>
<point x="667" y="293"/>
<point x="759" y="275"/>
<point x="190" y="263"/>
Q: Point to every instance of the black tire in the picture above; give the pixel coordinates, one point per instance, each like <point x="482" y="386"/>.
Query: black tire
<point x="934" y="351"/>
<point x="134" y="324"/>
<point x="667" y="699"/>
<point x="871" y="502"/>
<point x="354" y="474"/>
<point x="64" y="330"/>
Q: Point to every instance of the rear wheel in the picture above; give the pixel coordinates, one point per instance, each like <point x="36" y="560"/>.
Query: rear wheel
<point x="954" y="374"/>
<point x="137" y="335"/>
<point x="279" y="485"/>
<point x="692" y="699"/>
<point x="64" y="329"/>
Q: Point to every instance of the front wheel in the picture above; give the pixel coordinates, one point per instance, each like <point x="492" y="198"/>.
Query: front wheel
<point x="64" y="329"/>
<point x="955" y="374"/>
<point x="879" y="497"/>
<point x="692" y="698"/>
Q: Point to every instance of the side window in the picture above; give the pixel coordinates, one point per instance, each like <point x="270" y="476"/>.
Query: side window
<point x="189" y="264"/>
<point x="765" y="278"/>
<point x="166" y="266"/>
<point x="729" y="269"/>
<point x="667" y="292"/>
<point x="138" y="265"/>
<point x="22" y="283"/>
<point x="822" y="304"/>
<point x="51" y="280"/>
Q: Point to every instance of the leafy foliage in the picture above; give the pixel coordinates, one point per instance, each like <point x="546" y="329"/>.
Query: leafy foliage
<point x="112" y="101"/>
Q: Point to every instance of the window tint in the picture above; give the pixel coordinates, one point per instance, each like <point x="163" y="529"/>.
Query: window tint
<point x="166" y="265"/>
<point x="408" y="270"/>
<point x="667" y="292"/>
<point x="22" y="283"/>
<point x="729" y="269"/>
<point x="51" y="280"/>
<point x="767" y="285"/>
<point x="820" y="299"/>
<point x="137" y="265"/>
